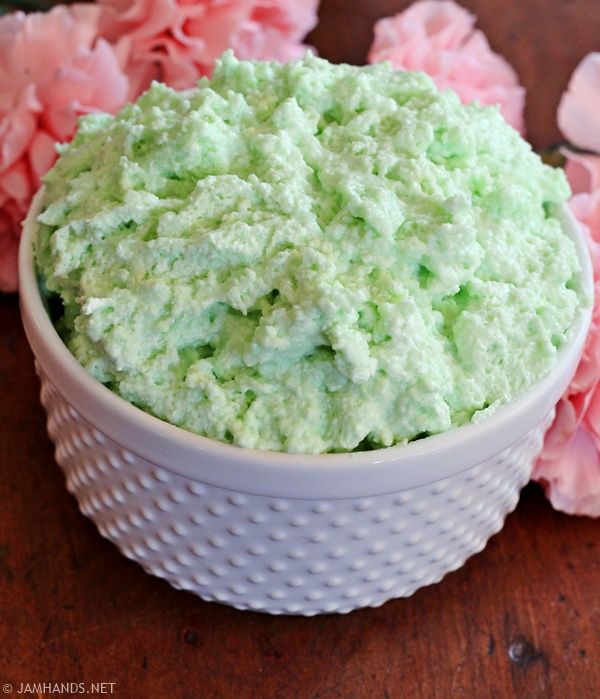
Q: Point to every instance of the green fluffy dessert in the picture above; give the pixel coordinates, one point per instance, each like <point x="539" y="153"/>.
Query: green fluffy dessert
<point x="309" y="257"/>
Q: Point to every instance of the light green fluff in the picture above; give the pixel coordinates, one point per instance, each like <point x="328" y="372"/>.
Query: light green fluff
<point x="309" y="257"/>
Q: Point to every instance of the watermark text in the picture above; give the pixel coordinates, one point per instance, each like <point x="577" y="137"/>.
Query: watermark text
<point x="45" y="688"/>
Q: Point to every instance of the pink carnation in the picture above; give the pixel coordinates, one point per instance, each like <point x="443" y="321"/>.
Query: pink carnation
<point x="578" y="109"/>
<point x="178" y="41"/>
<point x="583" y="171"/>
<point x="438" y="37"/>
<point x="52" y="70"/>
<point x="569" y="466"/>
<point x="579" y="122"/>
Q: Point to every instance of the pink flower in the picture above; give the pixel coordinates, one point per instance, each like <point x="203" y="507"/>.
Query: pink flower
<point x="178" y="41"/>
<point x="580" y="105"/>
<point x="576" y="489"/>
<point x="579" y="122"/>
<point x="569" y="465"/>
<point x="52" y="70"/>
<point x="438" y="37"/>
<point x="583" y="171"/>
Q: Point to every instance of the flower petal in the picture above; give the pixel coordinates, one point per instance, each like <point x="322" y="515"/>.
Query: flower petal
<point x="571" y="480"/>
<point x="583" y="171"/>
<point x="181" y="39"/>
<point x="569" y="465"/>
<point x="52" y="69"/>
<point x="42" y="154"/>
<point x="580" y="105"/>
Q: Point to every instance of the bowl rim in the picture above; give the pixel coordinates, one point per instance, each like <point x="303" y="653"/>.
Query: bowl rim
<point x="299" y="475"/>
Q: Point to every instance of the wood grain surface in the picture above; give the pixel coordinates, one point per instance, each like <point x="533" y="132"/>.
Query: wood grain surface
<point x="521" y="619"/>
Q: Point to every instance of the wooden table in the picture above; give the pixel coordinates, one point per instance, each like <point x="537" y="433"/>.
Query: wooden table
<point x="520" y="619"/>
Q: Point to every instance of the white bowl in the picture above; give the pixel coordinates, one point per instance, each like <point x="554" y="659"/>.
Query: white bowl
<point x="286" y="533"/>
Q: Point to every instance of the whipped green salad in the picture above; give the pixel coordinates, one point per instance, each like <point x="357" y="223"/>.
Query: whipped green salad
<point x="308" y="257"/>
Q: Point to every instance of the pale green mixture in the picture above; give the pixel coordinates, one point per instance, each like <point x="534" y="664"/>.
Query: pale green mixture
<point x="309" y="257"/>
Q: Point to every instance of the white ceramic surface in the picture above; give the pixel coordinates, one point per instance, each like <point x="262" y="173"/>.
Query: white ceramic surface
<point x="286" y="533"/>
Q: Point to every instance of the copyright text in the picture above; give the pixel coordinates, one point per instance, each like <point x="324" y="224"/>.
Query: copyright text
<point x="43" y="688"/>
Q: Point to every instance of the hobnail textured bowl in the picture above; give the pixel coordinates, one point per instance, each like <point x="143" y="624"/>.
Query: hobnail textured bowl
<point x="285" y="533"/>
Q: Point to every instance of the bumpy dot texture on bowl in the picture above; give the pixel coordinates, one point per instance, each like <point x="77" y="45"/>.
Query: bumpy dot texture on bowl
<point x="309" y="257"/>
<point x="284" y="555"/>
